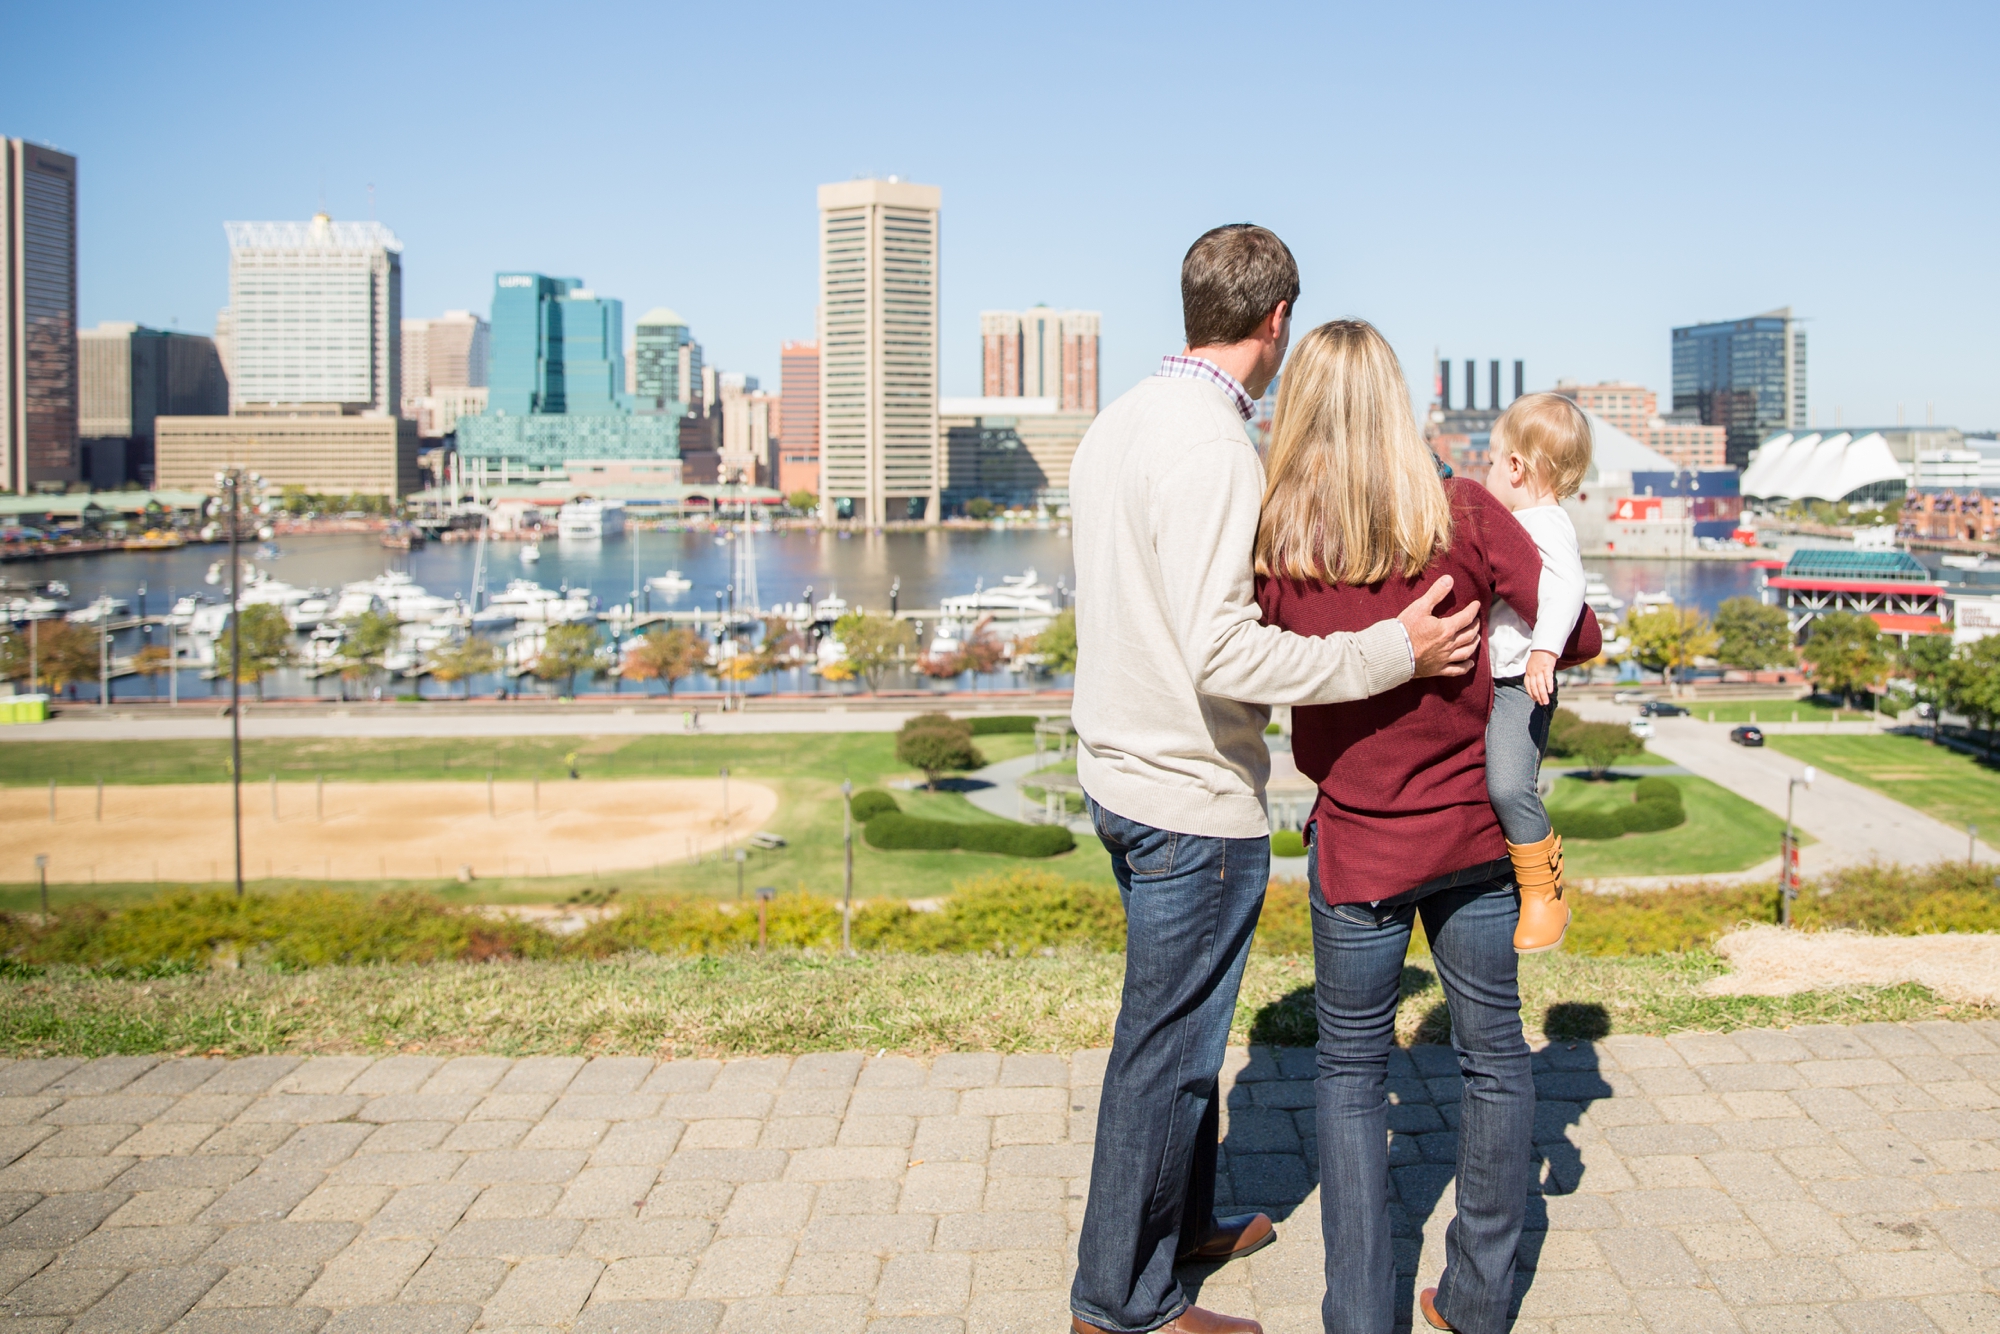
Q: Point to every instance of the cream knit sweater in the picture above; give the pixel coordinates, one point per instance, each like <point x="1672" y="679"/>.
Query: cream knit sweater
<point x="1175" y="672"/>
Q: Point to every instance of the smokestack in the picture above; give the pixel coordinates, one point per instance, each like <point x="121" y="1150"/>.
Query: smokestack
<point x="1519" y="380"/>
<point x="1471" y="384"/>
<point x="1493" y="383"/>
<point x="1444" y="384"/>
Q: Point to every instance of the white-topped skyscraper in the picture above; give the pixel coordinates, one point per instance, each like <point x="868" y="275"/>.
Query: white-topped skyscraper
<point x="315" y="315"/>
<point x="878" y="270"/>
<point x="38" y="353"/>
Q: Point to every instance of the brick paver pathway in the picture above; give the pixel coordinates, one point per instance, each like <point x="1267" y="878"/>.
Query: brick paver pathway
<point x="1814" y="1181"/>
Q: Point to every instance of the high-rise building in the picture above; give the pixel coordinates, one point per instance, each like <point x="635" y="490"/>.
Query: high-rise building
<point x="1010" y="450"/>
<point x="556" y="392"/>
<point x="316" y="313"/>
<point x="798" y="441"/>
<point x="1747" y="376"/>
<point x="128" y="376"/>
<point x="1041" y="353"/>
<point x="878" y="270"/>
<point x="444" y="360"/>
<point x="751" y="419"/>
<point x="657" y="348"/>
<point x="1635" y="410"/>
<point x="38" y="372"/>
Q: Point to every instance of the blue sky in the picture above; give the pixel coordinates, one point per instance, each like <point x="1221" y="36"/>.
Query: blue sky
<point x="1556" y="183"/>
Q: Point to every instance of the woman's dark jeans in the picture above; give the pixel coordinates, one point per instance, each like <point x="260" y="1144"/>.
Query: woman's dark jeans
<point x="1358" y="953"/>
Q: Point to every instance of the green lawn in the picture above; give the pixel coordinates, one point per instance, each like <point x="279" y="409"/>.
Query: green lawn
<point x="1723" y="832"/>
<point x="805" y="769"/>
<point x="1770" y="711"/>
<point x="743" y="1004"/>
<point x="1937" y="780"/>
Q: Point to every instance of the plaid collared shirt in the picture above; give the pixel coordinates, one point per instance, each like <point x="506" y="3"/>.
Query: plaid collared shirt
<point x="1201" y="368"/>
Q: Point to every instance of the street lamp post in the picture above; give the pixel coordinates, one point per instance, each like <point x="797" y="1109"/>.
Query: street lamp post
<point x="42" y="874"/>
<point x="1788" y="872"/>
<point x="847" y="891"/>
<point x="232" y="480"/>
<point x="741" y="857"/>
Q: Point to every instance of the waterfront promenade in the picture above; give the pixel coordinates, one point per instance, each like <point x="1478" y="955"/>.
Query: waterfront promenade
<point x="1818" y="1179"/>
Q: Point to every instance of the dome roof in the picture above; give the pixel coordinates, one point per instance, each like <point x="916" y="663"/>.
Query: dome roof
<point x="662" y="315"/>
<point x="1814" y="466"/>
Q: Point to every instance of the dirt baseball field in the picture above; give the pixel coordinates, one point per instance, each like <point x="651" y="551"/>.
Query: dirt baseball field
<point x="369" y="831"/>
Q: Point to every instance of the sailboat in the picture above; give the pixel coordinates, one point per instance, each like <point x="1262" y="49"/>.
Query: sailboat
<point x="531" y="553"/>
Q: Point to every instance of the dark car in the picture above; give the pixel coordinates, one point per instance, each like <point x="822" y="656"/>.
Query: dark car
<point x="1659" y="708"/>
<point x="1747" y="735"/>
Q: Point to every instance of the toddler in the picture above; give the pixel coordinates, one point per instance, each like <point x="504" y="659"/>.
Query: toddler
<point x="1540" y="451"/>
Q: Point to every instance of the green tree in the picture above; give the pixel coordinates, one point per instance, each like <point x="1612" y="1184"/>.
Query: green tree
<point x="873" y="644"/>
<point x="1669" y="639"/>
<point x="152" y="662"/>
<point x="1928" y="662"/>
<point x="566" y="650"/>
<point x="1752" y="635"/>
<point x="1601" y="745"/>
<point x="666" y="655"/>
<point x="13" y="654"/>
<point x="474" y="655"/>
<point x="979" y="507"/>
<point x="64" y="654"/>
<point x="802" y="501"/>
<point x="365" y="640"/>
<point x="264" y="640"/>
<point x="1973" y="684"/>
<point x="938" y="745"/>
<point x="1056" y="645"/>
<point x="1845" y="653"/>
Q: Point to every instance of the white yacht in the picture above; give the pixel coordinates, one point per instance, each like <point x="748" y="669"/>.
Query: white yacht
<point x="531" y="553"/>
<point x="409" y="600"/>
<point x="1597" y="595"/>
<point x="588" y="518"/>
<point x="1644" y="601"/>
<point x="1018" y="597"/>
<point x="104" y="608"/>
<point x="530" y="603"/>
<point x="34" y="607"/>
<point x="672" y="582"/>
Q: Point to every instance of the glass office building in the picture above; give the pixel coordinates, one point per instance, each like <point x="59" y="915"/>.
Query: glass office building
<point x="656" y="348"/>
<point x="38" y="352"/>
<point x="557" y="375"/>
<point x="1747" y="376"/>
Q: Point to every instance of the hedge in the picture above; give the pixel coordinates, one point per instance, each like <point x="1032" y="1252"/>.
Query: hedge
<point x="1288" y="843"/>
<point x="898" y="832"/>
<point x="996" y="726"/>
<point x="871" y="802"/>
<point x="1656" y="805"/>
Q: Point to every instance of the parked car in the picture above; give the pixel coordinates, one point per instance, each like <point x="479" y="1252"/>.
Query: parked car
<point x="1659" y="708"/>
<point x="1642" y="728"/>
<point x="1747" y="735"/>
<point x="1630" y="697"/>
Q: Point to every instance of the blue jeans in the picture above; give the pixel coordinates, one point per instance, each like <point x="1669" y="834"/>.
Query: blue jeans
<point x="1191" y="906"/>
<point x="1358" y="953"/>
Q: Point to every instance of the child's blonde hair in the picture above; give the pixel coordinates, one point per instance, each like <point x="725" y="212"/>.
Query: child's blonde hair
<point x="1551" y="437"/>
<point x="1353" y="494"/>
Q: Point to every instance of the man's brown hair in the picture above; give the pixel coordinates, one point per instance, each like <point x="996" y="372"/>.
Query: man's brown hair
<point x="1231" y="280"/>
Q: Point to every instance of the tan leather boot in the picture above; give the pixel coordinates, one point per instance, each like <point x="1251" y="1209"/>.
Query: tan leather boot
<point x="1538" y="873"/>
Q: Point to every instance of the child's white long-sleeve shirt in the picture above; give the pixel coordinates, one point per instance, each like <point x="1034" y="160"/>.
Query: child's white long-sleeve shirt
<point x="1509" y="638"/>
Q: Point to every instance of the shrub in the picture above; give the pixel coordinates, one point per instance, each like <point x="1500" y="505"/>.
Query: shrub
<point x="1649" y="817"/>
<point x="1656" y="805"/>
<point x="871" y="802"/>
<point x="999" y="726"/>
<point x="898" y="832"/>
<point x="1021" y="912"/>
<point x="1657" y="789"/>
<point x="1576" y="825"/>
<point x="1288" y="843"/>
<point x="937" y="744"/>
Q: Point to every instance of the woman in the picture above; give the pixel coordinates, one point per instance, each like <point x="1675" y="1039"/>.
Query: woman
<point x="1356" y="523"/>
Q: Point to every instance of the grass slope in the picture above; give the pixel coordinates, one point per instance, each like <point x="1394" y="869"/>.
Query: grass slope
<point x="1770" y="711"/>
<point x="1723" y="832"/>
<point x="791" y="1003"/>
<point x="1936" y="780"/>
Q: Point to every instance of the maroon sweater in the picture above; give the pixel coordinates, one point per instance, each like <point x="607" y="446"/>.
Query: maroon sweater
<point x="1402" y="776"/>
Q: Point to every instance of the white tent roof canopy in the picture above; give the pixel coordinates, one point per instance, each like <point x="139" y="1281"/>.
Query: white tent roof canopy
<point x="1816" y="466"/>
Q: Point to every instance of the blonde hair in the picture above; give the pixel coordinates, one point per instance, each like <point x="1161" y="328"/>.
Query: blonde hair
<point x="1353" y="494"/>
<point x="1551" y="437"/>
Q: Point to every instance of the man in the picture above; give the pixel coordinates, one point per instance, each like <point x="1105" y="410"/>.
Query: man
<point x="1175" y="676"/>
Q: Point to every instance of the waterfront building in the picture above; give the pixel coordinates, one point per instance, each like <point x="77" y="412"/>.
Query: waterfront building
<point x="1635" y="410"/>
<point x="38" y="353"/>
<point x="1892" y="587"/>
<point x="798" y="436"/>
<point x="1015" y="452"/>
<point x="128" y="376"/>
<point x="317" y="448"/>
<point x="556" y="392"/>
<point x="751" y="420"/>
<point x="1041" y="353"/>
<point x="1747" y="376"/>
<point x="1852" y="466"/>
<point x="878" y="268"/>
<point x="315" y="314"/>
<point x="661" y="349"/>
<point x="443" y="358"/>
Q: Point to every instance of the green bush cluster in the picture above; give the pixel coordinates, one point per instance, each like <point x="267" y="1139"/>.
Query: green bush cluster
<point x="1656" y="805"/>
<point x="871" y="802"/>
<point x="1288" y="843"/>
<point x="896" y="831"/>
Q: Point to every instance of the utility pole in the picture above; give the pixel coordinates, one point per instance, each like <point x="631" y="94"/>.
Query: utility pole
<point x="1788" y="874"/>
<point x="232" y="480"/>
<point x="847" y="890"/>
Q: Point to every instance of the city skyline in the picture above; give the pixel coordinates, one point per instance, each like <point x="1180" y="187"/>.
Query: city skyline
<point x="1576" y="241"/>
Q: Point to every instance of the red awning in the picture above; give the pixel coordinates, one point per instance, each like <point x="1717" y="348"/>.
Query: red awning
<point x="1892" y="623"/>
<point x="1856" y="586"/>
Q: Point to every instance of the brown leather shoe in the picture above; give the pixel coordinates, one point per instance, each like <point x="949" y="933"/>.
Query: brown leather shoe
<point x="1231" y="1239"/>
<point x="1428" y="1300"/>
<point x="1194" y="1320"/>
